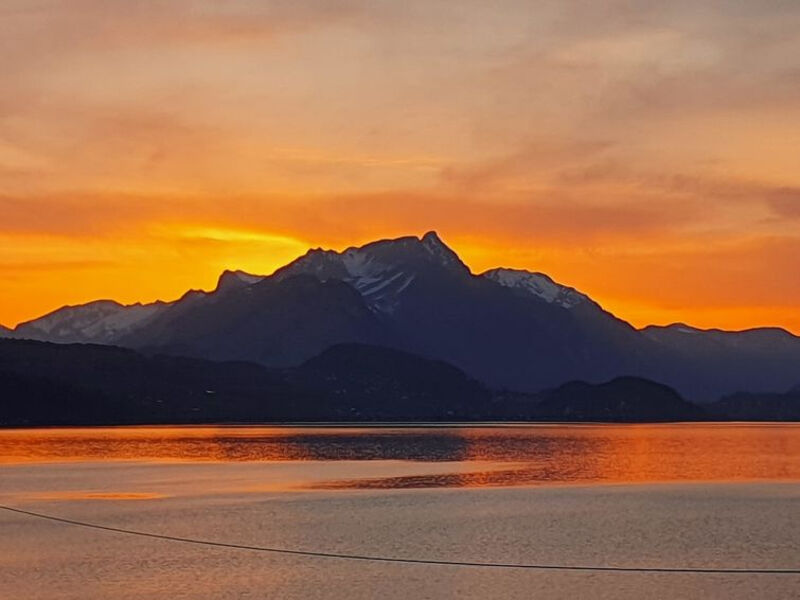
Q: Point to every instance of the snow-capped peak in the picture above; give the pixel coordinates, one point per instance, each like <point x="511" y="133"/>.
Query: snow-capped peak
<point x="440" y="251"/>
<point x="381" y="271"/>
<point x="537" y="284"/>
<point x="377" y="280"/>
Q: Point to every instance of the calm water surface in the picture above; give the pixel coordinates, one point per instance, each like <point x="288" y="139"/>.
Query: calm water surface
<point x="480" y="456"/>
<point x="696" y="495"/>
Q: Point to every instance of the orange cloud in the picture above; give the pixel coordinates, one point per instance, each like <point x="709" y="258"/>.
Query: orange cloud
<point x="646" y="155"/>
<point x="643" y="264"/>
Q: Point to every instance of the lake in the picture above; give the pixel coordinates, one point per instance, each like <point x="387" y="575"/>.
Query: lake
<point x="677" y="495"/>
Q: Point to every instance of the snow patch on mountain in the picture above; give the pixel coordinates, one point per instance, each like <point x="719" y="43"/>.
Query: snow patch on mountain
<point x="378" y="282"/>
<point x="440" y="251"/>
<point x="102" y="321"/>
<point x="537" y="284"/>
<point x="381" y="271"/>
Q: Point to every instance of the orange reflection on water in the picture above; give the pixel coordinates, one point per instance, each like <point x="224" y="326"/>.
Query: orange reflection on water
<point x="151" y="444"/>
<point x="90" y="495"/>
<point x="476" y="456"/>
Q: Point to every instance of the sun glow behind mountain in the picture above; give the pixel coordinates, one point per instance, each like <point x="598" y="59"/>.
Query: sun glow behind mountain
<point x="646" y="156"/>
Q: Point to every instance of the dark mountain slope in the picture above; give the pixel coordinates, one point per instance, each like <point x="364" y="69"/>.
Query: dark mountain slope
<point x="759" y="407"/>
<point x="705" y="364"/>
<point x="378" y="383"/>
<point x="55" y="384"/>
<point x="77" y="384"/>
<point x="624" y="399"/>
<point x="273" y="322"/>
<point x="51" y="384"/>
<point x="506" y="337"/>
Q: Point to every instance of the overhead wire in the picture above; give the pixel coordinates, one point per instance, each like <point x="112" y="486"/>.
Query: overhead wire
<point x="402" y="560"/>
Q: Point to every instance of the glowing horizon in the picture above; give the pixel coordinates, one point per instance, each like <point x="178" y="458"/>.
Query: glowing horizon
<point x="644" y="154"/>
<point x="259" y="266"/>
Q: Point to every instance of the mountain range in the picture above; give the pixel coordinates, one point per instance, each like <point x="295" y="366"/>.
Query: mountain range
<point x="509" y="329"/>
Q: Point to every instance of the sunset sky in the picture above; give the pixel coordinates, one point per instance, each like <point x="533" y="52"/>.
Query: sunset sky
<point x="645" y="152"/>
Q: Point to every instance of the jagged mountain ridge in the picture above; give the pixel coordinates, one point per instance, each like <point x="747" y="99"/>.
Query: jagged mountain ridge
<point x="273" y="322"/>
<point x="434" y="306"/>
<point x="101" y="321"/>
<point x="509" y="328"/>
<point x="380" y="271"/>
<point x="411" y="294"/>
<point x="538" y="284"/>
<point x="104" y="321"/>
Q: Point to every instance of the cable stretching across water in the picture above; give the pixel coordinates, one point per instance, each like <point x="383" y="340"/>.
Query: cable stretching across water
<point x="408" y="561"/>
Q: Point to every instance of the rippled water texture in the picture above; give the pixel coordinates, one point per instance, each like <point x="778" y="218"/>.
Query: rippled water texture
<point x="693" y="495"/>
<point x="482" y="456"/>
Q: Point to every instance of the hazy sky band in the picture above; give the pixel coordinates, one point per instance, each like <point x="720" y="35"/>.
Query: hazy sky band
<point x="644" y="152"/>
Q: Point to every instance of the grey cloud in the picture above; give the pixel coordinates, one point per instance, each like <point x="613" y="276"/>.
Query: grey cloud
<point x="785" y="202"/>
